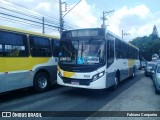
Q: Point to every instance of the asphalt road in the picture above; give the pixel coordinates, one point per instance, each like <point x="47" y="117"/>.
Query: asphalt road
<point x="72" y="99"/>
<point x="139" y="97"/>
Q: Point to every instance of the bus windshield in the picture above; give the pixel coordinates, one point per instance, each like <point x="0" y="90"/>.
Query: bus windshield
<point x="82" y="52"/>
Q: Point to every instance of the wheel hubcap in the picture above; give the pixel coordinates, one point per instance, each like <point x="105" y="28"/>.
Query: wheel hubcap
<point x="42" y="82"/>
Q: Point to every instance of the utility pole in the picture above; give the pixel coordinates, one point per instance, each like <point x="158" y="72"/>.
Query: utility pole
<point x="43" y="25"/>
<point x="61" y="15"/>
<point x="72" y="8"/>
<point x="104" y="18"/>
<point x="124" y="34"/>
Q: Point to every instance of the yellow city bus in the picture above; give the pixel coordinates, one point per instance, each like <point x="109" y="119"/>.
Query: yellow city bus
<point x="27" y="59"/>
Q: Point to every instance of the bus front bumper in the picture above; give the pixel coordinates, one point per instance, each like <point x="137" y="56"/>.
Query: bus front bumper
<point x="97" y="84"/>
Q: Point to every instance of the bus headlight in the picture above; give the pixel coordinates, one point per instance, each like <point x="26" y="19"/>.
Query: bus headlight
<point x="60" y="75"/>
<point x="97" y="76"/>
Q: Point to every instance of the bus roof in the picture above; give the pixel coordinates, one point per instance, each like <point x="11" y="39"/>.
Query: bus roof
<point x="107" y="31"/>
<point x="133" y="46"/>
<point x="26" y="32"/>
<point x="121" y="39"/>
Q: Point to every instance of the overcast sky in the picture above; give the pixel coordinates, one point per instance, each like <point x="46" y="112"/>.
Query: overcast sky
<point x="136" y="17"/>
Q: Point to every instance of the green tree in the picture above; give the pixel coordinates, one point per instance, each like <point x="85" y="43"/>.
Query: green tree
<point x="154" y="34"/>
<point x="147" y="46"/>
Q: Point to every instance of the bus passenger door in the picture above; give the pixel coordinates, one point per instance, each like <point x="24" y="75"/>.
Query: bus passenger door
<point x="110" y="53"/>
<point x="55" y="50"/>
<point x="110" y="60"/>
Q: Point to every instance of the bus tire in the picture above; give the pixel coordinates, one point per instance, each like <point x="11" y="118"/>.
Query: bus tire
<point x="133" y="74"/>
<point x="41" y="82"/>
<point x="115" y="85"/>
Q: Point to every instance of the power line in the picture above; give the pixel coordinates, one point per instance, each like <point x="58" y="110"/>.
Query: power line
<point x="25" y="23"/>
<point x="21" y="10"/>
<point x="44" y="15"/>
<point x="37" y="18"/>
<point x="28" y="10"/>
<point x="27" y="19"/>
<point x="72" y="8"/>
<point x="102" y="5"/>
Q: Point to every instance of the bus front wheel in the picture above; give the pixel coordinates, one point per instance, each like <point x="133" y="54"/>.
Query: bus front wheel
<point x="116" y="83"/>
<point x="41" y="82"/>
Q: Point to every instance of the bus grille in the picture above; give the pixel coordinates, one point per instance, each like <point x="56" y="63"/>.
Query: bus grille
<point x="80" y="81"/>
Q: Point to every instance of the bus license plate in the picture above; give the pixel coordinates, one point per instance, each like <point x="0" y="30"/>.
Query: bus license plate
<point x="74" y="82"/>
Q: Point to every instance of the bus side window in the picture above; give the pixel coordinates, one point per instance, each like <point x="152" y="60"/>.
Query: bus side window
<point x="55" y="47"/>
<point x="40" y="47"/>
<point x="13" y="45"/>
<point x="118" y="50"/>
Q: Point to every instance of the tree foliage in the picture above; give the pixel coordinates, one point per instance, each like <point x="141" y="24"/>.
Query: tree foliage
<point x="148" y="45"/>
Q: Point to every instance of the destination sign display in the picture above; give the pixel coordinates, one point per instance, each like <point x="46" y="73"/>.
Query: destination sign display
<point x="83" y="33"/>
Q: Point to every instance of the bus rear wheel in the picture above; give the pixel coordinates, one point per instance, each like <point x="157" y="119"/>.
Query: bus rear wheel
<point x="133" y="74"/>
<point x="41" y="82"/>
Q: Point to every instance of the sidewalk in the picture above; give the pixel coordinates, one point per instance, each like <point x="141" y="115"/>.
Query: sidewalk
<point x="139" y="97"/>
